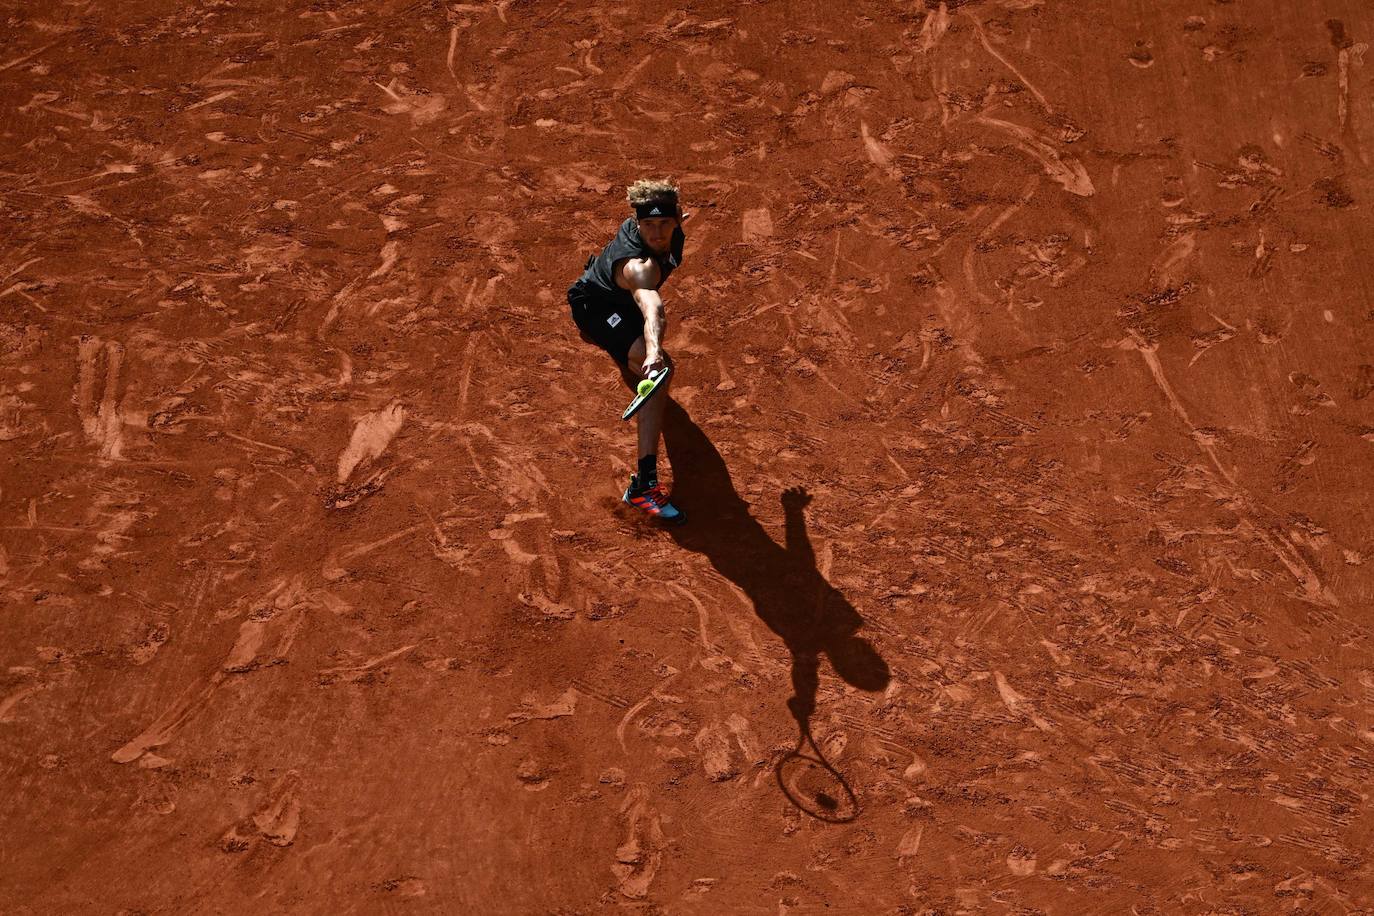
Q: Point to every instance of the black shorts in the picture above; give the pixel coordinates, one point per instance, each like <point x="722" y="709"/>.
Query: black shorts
<point x="612" y="326"/>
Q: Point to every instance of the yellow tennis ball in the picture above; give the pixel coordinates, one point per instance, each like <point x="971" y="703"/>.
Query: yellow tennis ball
<point x="645" y="386"/>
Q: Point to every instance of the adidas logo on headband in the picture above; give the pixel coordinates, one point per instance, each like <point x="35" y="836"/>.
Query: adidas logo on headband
<point x="655" y="208"/>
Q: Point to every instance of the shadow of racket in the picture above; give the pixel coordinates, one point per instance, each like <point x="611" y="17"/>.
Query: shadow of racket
<point x="813" y="785"/>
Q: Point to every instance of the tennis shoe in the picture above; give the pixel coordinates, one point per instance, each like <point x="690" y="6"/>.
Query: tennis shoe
<point x="652" y="501"/>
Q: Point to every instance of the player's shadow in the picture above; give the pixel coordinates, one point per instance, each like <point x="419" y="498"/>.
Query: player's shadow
<point x="789" y="593"/>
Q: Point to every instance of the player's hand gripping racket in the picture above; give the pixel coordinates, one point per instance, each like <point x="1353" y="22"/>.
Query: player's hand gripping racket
<point x="646" y="389"/>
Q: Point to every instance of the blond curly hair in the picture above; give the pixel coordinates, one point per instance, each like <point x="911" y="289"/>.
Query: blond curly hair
<point x="652" y="191"/>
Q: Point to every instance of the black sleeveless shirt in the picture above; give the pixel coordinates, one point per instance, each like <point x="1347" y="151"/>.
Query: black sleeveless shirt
<point x="599" y="277"/>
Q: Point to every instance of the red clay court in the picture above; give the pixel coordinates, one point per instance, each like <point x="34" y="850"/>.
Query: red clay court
<point x="1022" y="414"/>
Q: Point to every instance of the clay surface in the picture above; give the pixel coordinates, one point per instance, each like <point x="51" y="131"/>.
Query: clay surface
<point x="1022" y="411"/>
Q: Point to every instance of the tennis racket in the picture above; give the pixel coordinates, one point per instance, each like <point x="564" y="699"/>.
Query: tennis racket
<point x="647" y="387"/>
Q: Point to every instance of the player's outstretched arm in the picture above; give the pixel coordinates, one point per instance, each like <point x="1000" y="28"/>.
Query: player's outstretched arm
<point x="651" y="304"/>
<point x="641" y="277"/>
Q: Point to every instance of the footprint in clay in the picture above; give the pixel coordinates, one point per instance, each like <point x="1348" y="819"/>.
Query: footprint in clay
<point x="276" y="820"/>
<point x="638" y="858"/>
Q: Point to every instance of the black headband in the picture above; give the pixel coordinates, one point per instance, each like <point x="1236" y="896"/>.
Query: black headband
<point x="655" y="208"/>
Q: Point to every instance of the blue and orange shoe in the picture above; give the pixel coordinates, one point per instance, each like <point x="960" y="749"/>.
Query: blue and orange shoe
<point x="653" y="501"/>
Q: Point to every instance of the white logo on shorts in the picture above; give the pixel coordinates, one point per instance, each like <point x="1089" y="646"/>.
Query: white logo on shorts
<point x="613" y="320"/>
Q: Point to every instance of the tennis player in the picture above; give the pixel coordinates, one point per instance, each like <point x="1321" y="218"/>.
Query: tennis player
<point x="617" y="306"/>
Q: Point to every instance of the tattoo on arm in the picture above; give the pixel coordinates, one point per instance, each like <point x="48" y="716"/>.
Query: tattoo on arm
<point x="651" y="304"/>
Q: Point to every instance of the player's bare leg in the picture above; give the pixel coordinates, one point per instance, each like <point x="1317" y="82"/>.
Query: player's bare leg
<point x="650" y="416"/>
<point x="644" y="492"/>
